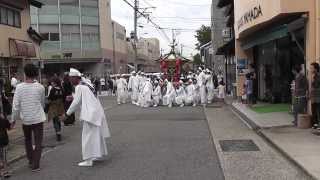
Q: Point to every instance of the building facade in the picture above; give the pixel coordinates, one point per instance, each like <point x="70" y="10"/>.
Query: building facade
<point x="220" y="34"/>
<point x="77" y="33"/>
<point x="19" y="43"/>
<point x="273" y="36"/>
<point x="120" y="49"/>
<point x="148" y="53"/>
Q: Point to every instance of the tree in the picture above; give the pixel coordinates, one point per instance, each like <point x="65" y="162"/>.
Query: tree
<point x="197" y="59"/>
<point x="203" y="35"/>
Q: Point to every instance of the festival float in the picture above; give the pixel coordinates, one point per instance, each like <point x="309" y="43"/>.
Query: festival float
<point x="172" y="65"/>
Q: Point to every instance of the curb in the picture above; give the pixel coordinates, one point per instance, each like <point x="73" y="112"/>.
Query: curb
<point x="285" y="154"/>
<point x="258" y="131"/>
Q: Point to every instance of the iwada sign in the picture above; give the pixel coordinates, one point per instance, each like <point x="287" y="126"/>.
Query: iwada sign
<point x="249" y="16"/>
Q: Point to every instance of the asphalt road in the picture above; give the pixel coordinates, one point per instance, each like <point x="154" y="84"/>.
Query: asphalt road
<point x="146" y="144"/>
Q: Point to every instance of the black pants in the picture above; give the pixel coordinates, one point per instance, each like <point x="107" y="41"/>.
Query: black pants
<point x="33" y="154"/>
<point x="315" y="107"/>
<point x="57" y="125"/>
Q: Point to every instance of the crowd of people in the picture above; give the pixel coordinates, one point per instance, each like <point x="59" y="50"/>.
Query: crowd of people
<point x="57" y="100"/>
<point x="199" y="88"/>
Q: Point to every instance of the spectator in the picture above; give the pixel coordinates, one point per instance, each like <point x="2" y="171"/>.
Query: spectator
<point x="14" y="82"/>
<point x="67" y="96"/>
<point x="28" y="102"/>
<point x="221" y="91"/>
<point x="315" y="94"/>
<point x="102" y="84"/>
<point x="249" y="89"/>
<point x="300" y="92"/>
<point x="56" y="105"/>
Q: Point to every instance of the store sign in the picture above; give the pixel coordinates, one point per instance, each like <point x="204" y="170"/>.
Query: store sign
<point x="249" y="16"/>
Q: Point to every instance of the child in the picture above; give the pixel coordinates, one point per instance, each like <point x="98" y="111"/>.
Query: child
<point x="4" y="141"/>
<point x="222" y="90"/>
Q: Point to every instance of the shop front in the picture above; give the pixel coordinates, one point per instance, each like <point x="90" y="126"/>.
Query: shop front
<point x="272" y="37"/>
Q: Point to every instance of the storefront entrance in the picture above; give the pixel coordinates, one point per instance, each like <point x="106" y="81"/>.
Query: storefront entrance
<point x="274" y="62"/>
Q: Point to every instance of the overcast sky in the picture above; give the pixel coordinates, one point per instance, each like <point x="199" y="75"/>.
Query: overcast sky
<point x="179" y="14"/>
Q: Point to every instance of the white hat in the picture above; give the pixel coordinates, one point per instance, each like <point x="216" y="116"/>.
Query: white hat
<point x="181" y="82"/>
<point x="200" y="69"/>
<point x="74" y="72"/>
<point x="156" y="82"/>
<point x="190" y="80"/>
<point x="133" y="72"/>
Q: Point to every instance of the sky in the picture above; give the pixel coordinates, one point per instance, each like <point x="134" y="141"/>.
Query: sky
<point x="185" y="15"/>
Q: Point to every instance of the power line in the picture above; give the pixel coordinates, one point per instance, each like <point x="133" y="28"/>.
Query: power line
<point x="149" y="20"/>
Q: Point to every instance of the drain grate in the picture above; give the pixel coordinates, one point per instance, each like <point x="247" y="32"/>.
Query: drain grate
<point x="238" y="145"/>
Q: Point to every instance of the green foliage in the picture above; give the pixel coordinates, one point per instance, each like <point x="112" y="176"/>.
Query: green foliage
<point x="197" y="59"/>
<point x="203" y="35"/>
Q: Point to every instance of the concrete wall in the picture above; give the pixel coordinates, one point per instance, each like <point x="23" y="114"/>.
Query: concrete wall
<point x="105" y="28"/>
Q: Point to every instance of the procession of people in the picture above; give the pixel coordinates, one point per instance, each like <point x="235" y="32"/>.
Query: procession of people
<point x="148" y="90"/>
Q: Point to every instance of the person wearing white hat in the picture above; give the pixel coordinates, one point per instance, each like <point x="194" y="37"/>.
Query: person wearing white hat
<point x="142" y="79"/>
<point x="146" y="98"/>
<point x="133" y="87"/>
<point x="122" y="93"/>
<point x="209" y="86"/>
<point x="201" y="79"/>
<point x="95" y="127"/>
<point x="170" y="95"/>
<point x="190" y="94"/>
<point x="156" y="94"/>
<point x="180" y="94"/>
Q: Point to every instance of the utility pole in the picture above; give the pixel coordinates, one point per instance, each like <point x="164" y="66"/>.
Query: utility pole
<point x="136" y="8"/>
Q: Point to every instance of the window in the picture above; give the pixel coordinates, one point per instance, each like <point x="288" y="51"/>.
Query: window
<point x="4" y="17"/>
<point x="54" y="37"/>
<point x="10" y="17"/>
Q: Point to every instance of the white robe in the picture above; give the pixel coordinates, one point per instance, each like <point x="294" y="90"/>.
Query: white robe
<point x="147" y="95"/>
<point x="95" y="127"/>
<point x="210" y="87"/>
<point x="169" y="97"/>
<point x="122" y="93"/>
<point x="201" y="83"/>
<point x="156" y="95"/>
<point x="134" y="86"/>
<point x="190" y="95"/>
<point x="180" y="96"/>
<point x="142" y="81"/>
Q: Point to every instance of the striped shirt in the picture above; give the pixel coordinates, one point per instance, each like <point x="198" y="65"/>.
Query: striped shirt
<point x="28" y="103"/>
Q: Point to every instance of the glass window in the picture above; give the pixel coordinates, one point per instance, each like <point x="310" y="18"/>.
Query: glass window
<point x="70" y="19"/>
<point x="91" y="12"/>
<point x="54" y="37"/>
<point x="17" y="19"/>
<point x="89" y="3"/>
<point x="4" y="17"/>
<point x="49" y="19"/>
<point x="69" y="10"/>
<point x="90" y="20"/>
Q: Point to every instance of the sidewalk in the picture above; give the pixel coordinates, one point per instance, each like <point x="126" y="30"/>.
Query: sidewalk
<point x="298" y="145"/>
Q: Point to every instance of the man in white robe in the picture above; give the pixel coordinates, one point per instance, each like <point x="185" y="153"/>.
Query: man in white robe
<point x="210" y="86"/>
<point x="196" y="95"/>
<point x="201" y="79"/>
<point x="169" y="97"/>
<point x="122" y="90"/>
<point x="142" y="81"/>
<point x="180" y="94"/>
<point x="147" y="94"/>
<point x="190" y="94"/>
<point x="156" y="94"/>
<point x="95" y="128"/>
<point x="133" y="87"/>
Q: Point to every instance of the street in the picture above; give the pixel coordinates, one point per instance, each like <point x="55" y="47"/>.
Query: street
<point x="154" y="143"/>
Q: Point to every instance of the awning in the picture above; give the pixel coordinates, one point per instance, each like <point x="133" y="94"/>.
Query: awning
<point x="265" y="36"/>
<point x="19" y="48"/>
<point x="227" y="49"/>
<point x="36" y="3"/>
